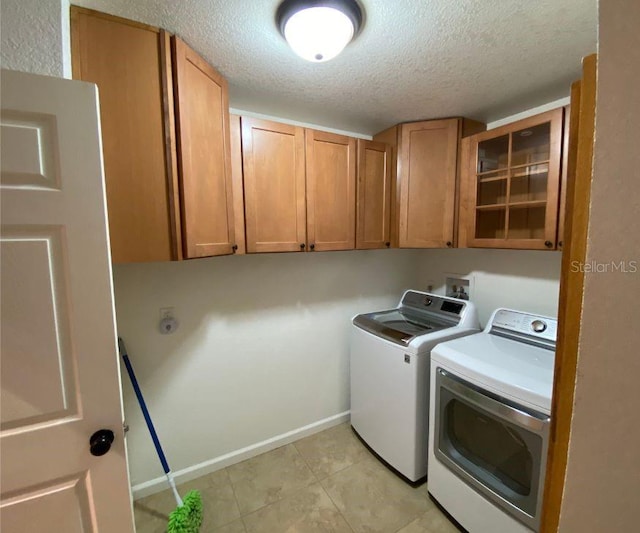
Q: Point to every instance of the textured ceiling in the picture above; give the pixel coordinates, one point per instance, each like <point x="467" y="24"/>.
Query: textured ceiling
<point x="484" y="59"/>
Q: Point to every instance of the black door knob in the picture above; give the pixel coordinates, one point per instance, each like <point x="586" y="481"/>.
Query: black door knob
<point x="312" y="246"/>
<point x="302" y="246"/>
<point x="387" y="244"/>
<point x="548" y="244"/>
<point x="100" y="442"/>
<point x="449" y="243"/>
<point x="234" y="248"/>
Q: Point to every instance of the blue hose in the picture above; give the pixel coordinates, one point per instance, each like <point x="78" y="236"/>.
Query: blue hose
<point x="143" y="405"/>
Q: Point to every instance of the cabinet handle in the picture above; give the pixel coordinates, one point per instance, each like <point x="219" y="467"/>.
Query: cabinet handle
<point x="312" y="246"/>
<point x="559" y="244"/>
<point x="302" y="246"/>
<point x="387" y="244"/>
<point x="548" y="244"/>
<point x="449" y="244"/>
<point x="234" y="248"/>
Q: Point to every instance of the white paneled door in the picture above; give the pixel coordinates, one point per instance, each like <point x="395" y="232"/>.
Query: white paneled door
<point x="59" y="364"/>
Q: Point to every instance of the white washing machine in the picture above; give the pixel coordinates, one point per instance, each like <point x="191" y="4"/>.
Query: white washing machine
<point x="489" y="423"/>
<point x="390" y="374"/>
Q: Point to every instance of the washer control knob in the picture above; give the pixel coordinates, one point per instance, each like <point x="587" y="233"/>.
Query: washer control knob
<point x="538" y="326"/>
<point x="428" y="301"/>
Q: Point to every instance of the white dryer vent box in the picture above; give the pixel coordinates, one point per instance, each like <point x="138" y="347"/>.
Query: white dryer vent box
<point x="459" y="286"/>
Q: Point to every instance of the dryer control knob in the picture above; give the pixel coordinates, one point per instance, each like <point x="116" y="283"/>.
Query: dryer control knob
<point x="538" y="326"/>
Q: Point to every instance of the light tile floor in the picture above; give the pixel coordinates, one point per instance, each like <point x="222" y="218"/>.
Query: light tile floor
<point x="328" y="482"/>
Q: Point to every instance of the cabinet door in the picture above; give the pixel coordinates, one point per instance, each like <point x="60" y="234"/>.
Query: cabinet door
<point x="569" y="156"/>
<point x="274" y="186"/>
<point x="130" y="64"/>
<point x="427" y="181"/>
<point x="512" y="182"/>
<point x="331" y="191"/>
<point x="374" y="195"/>
<point x="204" y="158"/>
<point x="390" y="137"/>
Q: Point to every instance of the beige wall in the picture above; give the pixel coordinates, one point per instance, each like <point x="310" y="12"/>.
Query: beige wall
<point x="527" y="280"/>
<point x="602" y="488"/>
<point x="34" y="36"/>
<point x="262" y="350"/>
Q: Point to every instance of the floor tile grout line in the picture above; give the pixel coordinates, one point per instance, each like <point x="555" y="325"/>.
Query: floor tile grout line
<point x="383" y="468"/>
<point x="330" y="473"/>
<point x="306" y="463"/>
<point x="286" y="494"/>
<point x="409" y="522"/>
<point x="233" y="488"/>
<point x="337" y="508"/>
<point x="316" y="482"/>
<point x="319" y="481"/>
<point x="235" y="498"/>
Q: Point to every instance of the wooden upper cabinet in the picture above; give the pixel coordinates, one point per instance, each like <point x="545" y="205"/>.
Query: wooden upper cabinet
<point x="374" y="195"/>
<point x="299" y="188"/>
<point x="427" y="168"/>
<point x="204" y="158"/>
<point x="569" y="156"/>
<point x="390" y="138"/>
<point x="274" y="186"/>
<point x="331" y="190"/>
<point x="169" y="193"/>
<point x="511" y="184"/>
<point x="131" y="65"/>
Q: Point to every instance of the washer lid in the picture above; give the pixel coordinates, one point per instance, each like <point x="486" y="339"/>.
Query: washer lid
<point x="417" y="314"/>
<point x="506" y="367"/>
<point x="400" y="325"/>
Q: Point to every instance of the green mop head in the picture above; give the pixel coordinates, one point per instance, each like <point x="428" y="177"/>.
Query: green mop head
<point x="188" y="517"/>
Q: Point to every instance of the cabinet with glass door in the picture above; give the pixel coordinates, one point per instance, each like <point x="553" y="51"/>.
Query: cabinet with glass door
<point x="510" y="185"/>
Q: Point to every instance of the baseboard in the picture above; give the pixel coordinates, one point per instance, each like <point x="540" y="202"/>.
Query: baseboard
<point x="192" y="472"/>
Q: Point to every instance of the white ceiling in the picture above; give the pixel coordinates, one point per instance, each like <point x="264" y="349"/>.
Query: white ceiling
<point x="483" y="59"/>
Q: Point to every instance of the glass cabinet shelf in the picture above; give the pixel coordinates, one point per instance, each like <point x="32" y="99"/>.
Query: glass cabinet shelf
<point x="489" y="207"/>
<point x="533" y="203"/>
<point x="514" y="183"/>
<point x="491" y="176"/>
<point x="526" y="165"/>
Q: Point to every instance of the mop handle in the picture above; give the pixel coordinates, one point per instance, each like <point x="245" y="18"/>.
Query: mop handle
<point x="143" y="406"/>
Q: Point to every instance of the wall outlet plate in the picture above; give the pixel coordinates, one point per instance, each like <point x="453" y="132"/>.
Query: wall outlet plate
<point x="166" y="312"/>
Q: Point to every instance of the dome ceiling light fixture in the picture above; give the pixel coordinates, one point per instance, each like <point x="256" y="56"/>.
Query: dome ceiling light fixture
<point x="318" y="30"/>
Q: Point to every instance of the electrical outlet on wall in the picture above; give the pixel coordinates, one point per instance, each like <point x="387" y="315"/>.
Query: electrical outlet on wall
<point x="168" y="323"/>
<point x="430" y="285"/>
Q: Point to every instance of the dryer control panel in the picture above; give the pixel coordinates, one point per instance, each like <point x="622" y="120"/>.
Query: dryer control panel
<point x="524" y="326"/>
